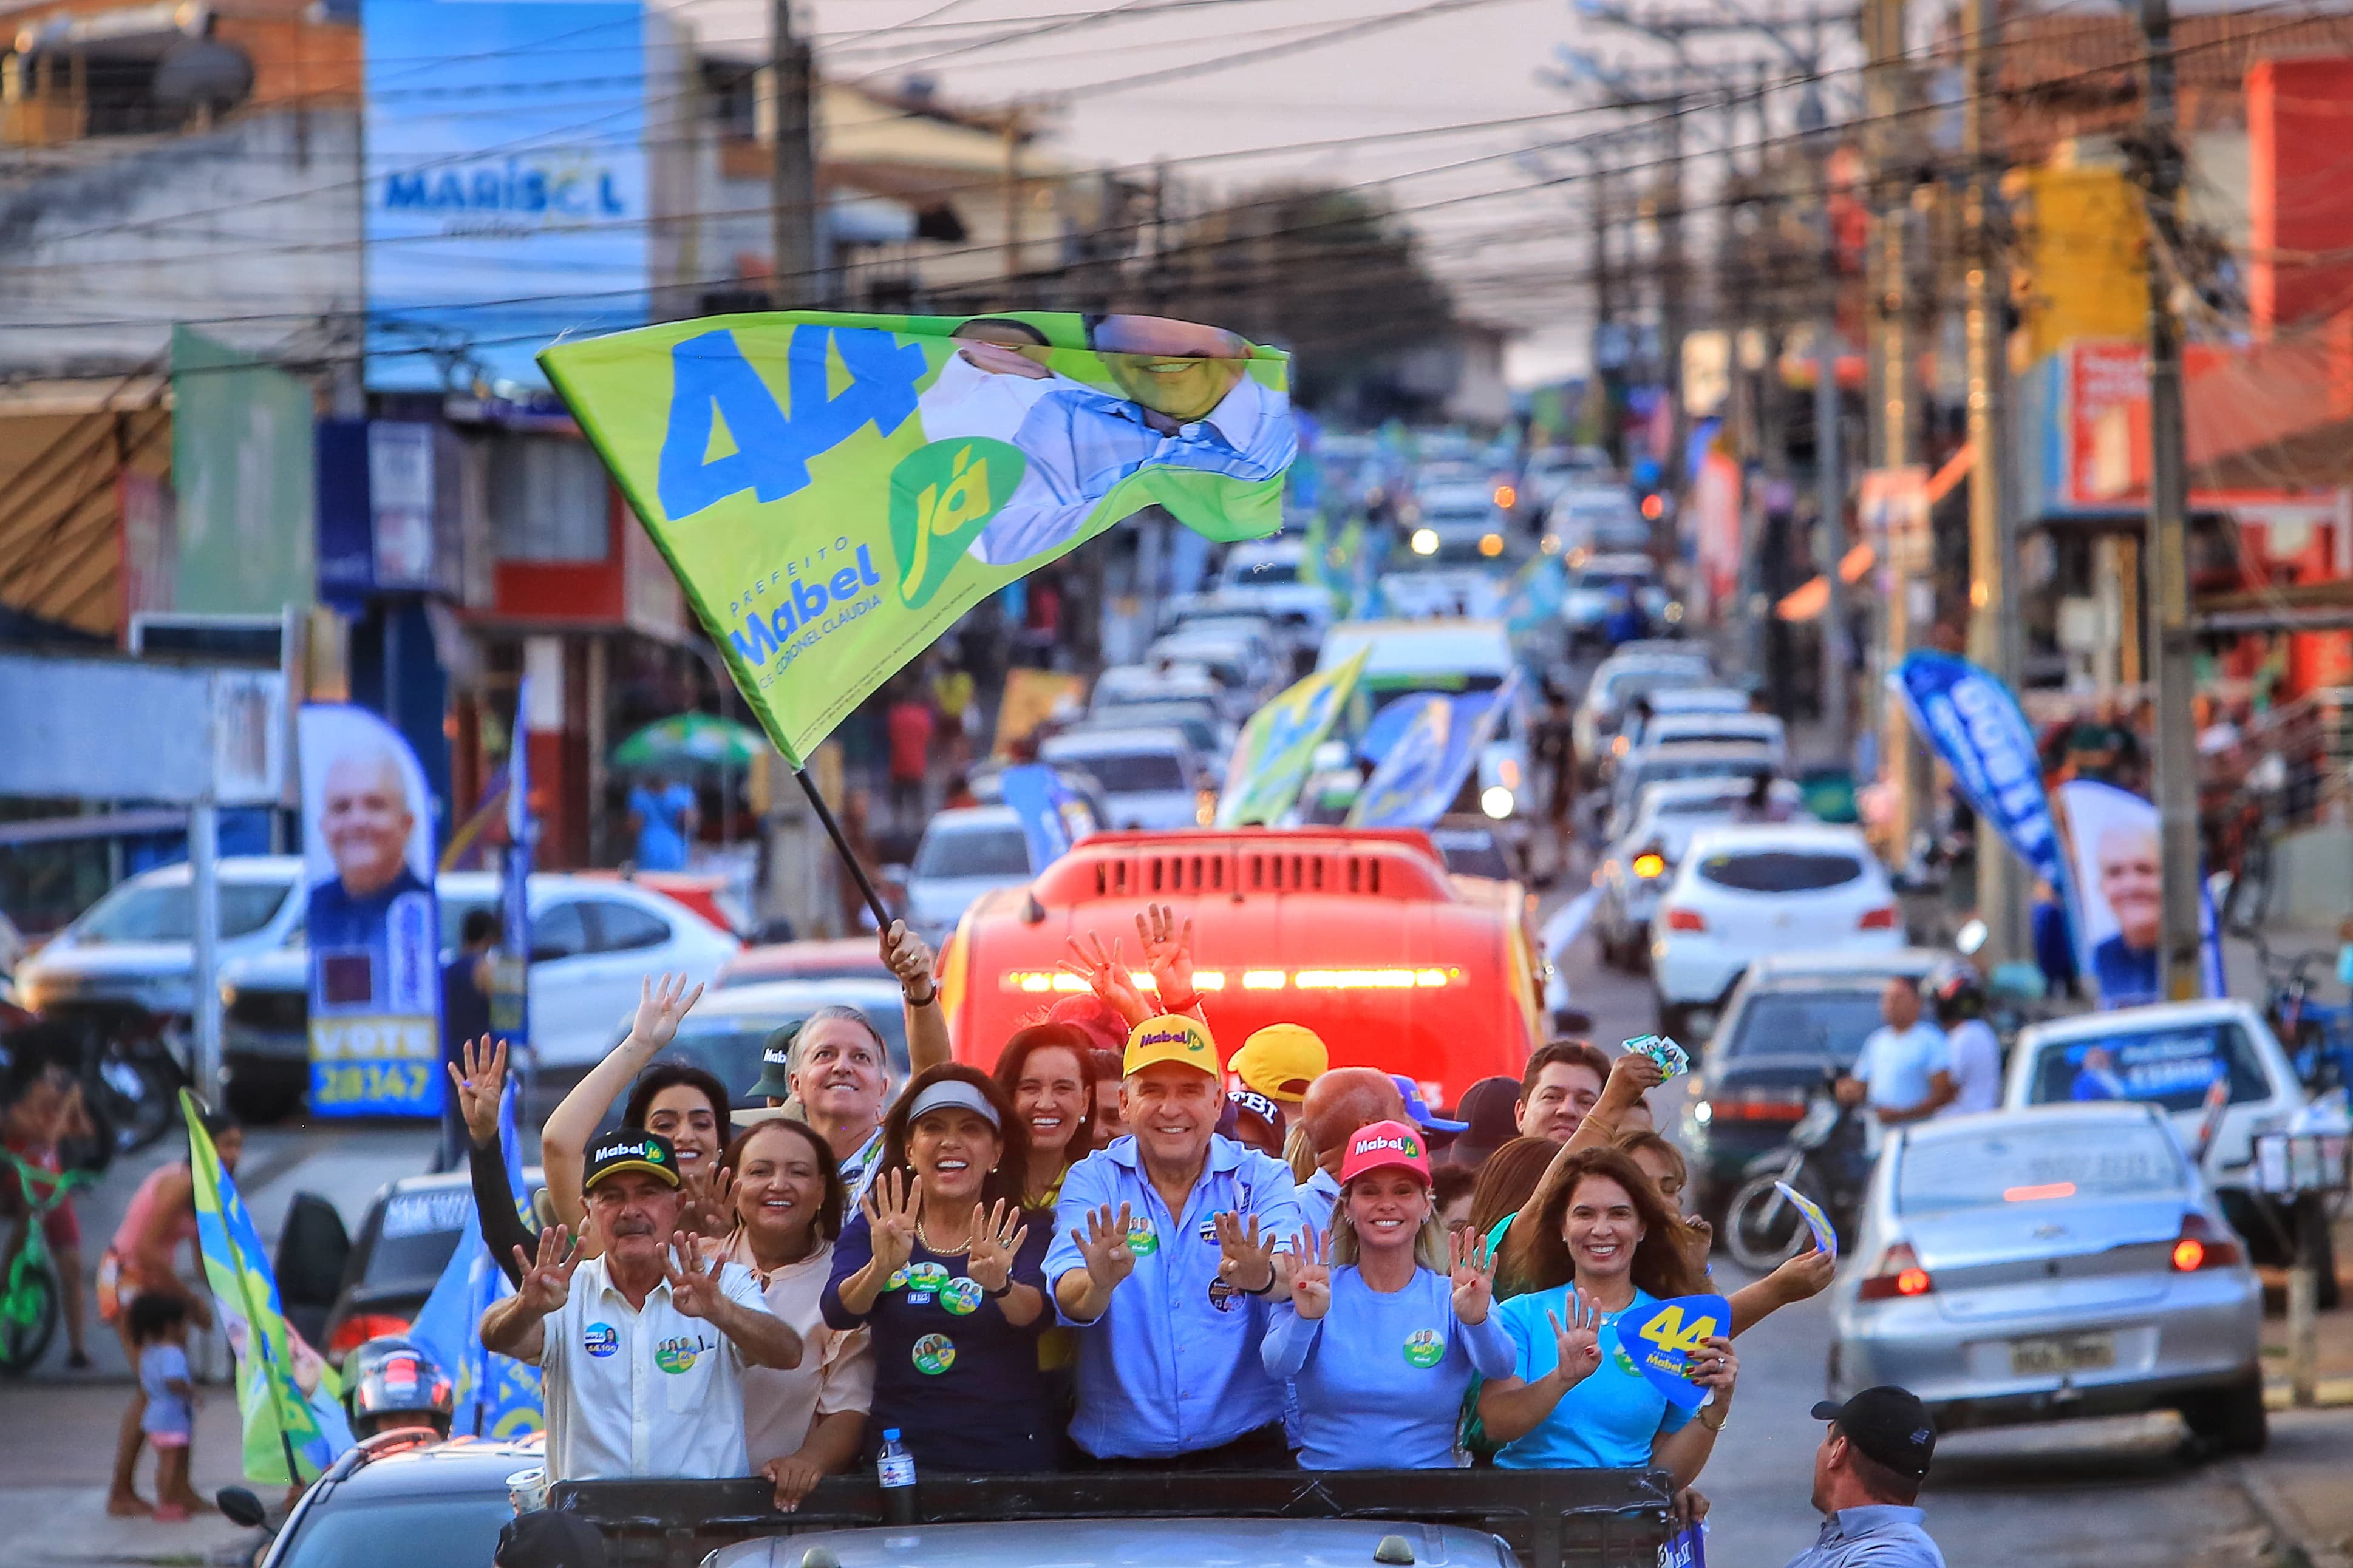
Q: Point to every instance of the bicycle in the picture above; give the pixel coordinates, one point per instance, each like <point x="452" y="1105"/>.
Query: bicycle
<point x="29" y="1303"/>
<point x="2317" y="1038"/>
<point x="1822" y="1160"/>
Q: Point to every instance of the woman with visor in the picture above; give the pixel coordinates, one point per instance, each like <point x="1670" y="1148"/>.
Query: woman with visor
<point x="943" y="1268"/>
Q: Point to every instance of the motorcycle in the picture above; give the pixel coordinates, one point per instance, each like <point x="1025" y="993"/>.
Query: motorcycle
<point x="131" y="1077"/>
<point x="1823" y="1161"/>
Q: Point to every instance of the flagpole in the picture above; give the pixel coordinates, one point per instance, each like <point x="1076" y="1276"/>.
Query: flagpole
<point x="848" y="855"/>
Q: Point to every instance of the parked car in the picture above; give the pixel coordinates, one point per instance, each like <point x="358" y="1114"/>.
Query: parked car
<point x="443" y="1503"/>
<point x="2169" y="1056"/>
<point x="1637" y="869"/>
<point x="1793" y="1018"/>
<point x="1745" y="892"/>
<point x="964" y="852"/>
<point x="1149" y="777"/>
<point x="340" y="1291"/>
<point x="2037" y="1265"/>
<point x="592" y="940"/>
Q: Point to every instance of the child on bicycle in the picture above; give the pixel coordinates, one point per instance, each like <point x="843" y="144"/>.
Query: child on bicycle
<point x="43" y="1111"/>
<point x="159" y="1328"/>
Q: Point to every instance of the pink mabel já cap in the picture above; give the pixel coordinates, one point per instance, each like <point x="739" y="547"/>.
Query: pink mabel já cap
<point x="1385" y="1144"/>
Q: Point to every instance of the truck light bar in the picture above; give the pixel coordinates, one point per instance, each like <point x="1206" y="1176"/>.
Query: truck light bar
<point x="1040" y="981"/>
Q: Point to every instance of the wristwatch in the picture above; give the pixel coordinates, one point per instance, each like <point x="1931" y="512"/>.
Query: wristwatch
<point x="1001" y="1293"/>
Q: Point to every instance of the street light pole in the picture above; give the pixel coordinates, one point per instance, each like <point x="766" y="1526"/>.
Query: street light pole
<point x="1993" y="522"/>
<point x="792" y="170"/>
<point x="2167" y="556"/>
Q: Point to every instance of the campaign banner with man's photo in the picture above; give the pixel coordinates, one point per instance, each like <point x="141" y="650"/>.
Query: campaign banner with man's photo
<point x="373" y="928"/>
<point x="2118" y="857"/>
<point x="835" y="491"/>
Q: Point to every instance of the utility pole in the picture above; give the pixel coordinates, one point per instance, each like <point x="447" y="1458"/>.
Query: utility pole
<point x="1669" y="208"/>
<point x="1994" y="521"/>
<point x="2167" y="557"/>
<point x="792" y="173"/>
<point x="1829" y="490"/>
<point x="1016" y="128"/>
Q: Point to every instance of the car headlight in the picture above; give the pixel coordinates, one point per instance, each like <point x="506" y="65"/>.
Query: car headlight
<point x="1490" y="545"/>
<point x="1673" y="614"/>
<point x="1496" y="802"/>
<point x="1425" y="542"/>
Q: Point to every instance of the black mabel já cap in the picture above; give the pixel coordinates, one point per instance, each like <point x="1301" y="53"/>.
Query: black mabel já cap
<point x="630" y="1150"/>
<point x="1886" y="1423"/>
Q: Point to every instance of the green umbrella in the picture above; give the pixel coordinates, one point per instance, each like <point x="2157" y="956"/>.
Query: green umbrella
<point x="691" y="740"/>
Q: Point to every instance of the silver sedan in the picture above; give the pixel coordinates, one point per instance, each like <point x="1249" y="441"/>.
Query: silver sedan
<point x="2037" y="1265"/>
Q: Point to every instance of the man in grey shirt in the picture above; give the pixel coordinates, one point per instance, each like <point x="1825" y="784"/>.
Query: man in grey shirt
<point x="1867" y="1475"/>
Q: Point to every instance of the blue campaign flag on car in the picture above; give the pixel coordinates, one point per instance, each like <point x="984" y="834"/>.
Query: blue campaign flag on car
<point x="1976" y="725"/>
<point x="1053" y="816"/>
<point x="495" y="1396"/>
<point x="1420" y="775"/>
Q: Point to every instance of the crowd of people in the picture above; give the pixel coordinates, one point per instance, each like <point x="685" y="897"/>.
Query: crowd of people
<point x="1123" y="1248"/>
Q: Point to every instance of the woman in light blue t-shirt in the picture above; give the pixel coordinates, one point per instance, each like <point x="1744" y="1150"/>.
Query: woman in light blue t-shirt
<point x="1387" y="1319"/>
<point x="1575" y="1399"/>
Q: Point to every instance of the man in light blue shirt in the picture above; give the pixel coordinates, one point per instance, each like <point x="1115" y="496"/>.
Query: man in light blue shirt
<point x="1905" y="1071"/>
<point x="1867" y="1476"/>
<point x="1165" y="1259"/>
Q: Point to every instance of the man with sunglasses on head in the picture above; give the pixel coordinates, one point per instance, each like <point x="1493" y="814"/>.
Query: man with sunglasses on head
<point x="1191" y="402"/>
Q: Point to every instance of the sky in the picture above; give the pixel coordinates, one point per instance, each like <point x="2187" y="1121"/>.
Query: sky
<point x="1514" y="251"/>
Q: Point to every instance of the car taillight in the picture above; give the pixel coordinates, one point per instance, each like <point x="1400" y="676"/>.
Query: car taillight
<point x="1648" y="866"/>
<point x="1897" y="1273"/>
<point x="1685" y="919"/>
<point x="1880" y="919"/>
<point x="2201" y="1245"/>
<point x="361" y="1327"/>
<point x="1757" y="1105"/>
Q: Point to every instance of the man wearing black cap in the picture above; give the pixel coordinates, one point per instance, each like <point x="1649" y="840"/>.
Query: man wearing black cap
<point x="644" y="1348"/>
<point x="1867" y="1475"/>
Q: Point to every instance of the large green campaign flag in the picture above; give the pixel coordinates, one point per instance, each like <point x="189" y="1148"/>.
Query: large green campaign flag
<point x="835" y="491"/>
<point x="1277" y="748"/>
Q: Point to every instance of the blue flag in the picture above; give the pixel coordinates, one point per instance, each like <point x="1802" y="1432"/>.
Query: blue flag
<point x="1420" y="775"/>
<point x="1053" y="816"/>
<point x="495" y="1396"/>
<point x="1974" y="723"/>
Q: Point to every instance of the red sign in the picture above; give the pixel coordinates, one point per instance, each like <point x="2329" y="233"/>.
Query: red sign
<point x="2107" y="423"/>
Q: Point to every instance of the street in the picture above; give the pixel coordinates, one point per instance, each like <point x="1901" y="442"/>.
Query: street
<point x="2071" y="1496"/>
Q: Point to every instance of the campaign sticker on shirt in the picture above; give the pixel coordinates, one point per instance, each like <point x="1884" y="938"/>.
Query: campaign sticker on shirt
<point x="677" y="1354"/>
<point x="1210" y="1231"/>
<point x="1424" y="1348"/>
<point x="934" y="1353"/>
<point x="1142" y="1240"/>
<point x="600" y="1340"/>
<point x="898" y="1280"/>
<point x="1224" y="1297"/>
<point x="961" y="1296"/>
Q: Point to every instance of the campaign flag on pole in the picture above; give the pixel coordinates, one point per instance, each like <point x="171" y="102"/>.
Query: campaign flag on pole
<point x="1053" y="816"/>
<point x="288" y="1398"/>
<point x="2118" y="912"/>
<point x="371" y="925"/>
<point x="833" y="491"/>
<point x="492" y="1395"/>
<point x="1277" y="749"/>
<point x="1418" y="778"/>
<point x="1976" y="725"/>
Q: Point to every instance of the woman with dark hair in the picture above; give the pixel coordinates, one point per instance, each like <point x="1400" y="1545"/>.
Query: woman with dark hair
<point x="943" y="1268"/>
<point x="1043" y="1071"/>
<point x="1608" y="1243"/>
<point x="1507" y="1180"/>
<point x="684" y="1104"/>
<point x="785" y="1190"/>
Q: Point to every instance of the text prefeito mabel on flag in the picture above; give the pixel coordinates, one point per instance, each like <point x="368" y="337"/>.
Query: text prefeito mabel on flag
<point x="835" y="491"/>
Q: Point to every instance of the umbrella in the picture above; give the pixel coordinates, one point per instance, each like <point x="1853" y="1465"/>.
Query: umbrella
<point x="691" y="740"/>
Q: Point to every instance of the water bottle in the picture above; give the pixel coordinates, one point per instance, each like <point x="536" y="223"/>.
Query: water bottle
<point x="898" y="1470"/>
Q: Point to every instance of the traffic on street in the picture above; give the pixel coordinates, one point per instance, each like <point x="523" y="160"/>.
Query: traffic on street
<point x="901" y="785"/>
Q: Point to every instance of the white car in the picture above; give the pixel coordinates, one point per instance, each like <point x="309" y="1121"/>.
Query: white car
<point x="1742" y="893"/>
<point x="593" y="939"/>
<point x="1740" y="762"/>
<point x="1765" y="729"/>
<point x="2168" y="1054"/>
<point x="1603" y="517"/>
<point x="1244" y="666"/>
<point x="1450" y="658"/>
<point x="1150" y="778"/>
<point x="1446" y="593"/>
<point x="1266" y="577"/>
<point x="1634" y="874"/>
<point x="1596" y="584"/>
<point x="964" y="852"/>
<point x="1617" y="682"/>
<point x="134" y="947"/>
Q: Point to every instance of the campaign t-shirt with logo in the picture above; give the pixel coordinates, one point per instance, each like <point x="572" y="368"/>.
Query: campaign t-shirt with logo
<point x="958" y="1381"/>
<point x="643" y="1390"/>
<point x="1379" y="1377"/>
<point x="1608" y="1421"/>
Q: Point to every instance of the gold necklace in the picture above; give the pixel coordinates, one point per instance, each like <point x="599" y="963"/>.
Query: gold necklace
<point x="964" y="1251"/>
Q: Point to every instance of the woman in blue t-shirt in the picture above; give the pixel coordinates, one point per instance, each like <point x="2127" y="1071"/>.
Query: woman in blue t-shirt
<point x="942" y="1264"/>
<point x="1388" y="1321"/>
<point x="1575" y="1399"/>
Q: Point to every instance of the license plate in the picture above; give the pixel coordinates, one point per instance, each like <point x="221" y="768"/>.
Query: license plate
<point x="2075" y="1353"/>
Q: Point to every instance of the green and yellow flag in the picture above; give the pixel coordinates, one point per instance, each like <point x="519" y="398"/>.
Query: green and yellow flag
<point x="1277" y="749"/>
<point x="835" y="491"/>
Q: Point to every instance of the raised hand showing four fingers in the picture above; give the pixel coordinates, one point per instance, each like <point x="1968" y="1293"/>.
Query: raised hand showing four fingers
<point x="1311" y="1274"/>
<point x="1104" y="1246"/>
<point x="1578" y="1340"/>
<point x="1473" y="1276"/>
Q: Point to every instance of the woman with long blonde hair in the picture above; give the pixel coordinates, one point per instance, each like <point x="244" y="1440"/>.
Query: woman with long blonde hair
<point x="1388" y="1319"/>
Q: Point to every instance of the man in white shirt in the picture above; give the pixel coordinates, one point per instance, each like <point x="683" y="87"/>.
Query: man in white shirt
<point x="1974" y="1050"/>
<point x="1905" y="1071"/>
<point x="644" y="1350"/>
